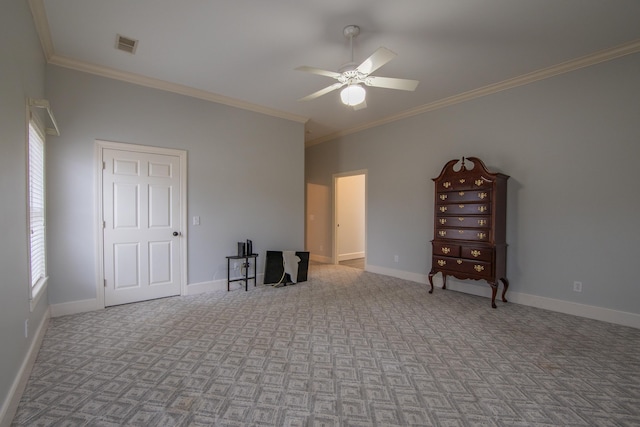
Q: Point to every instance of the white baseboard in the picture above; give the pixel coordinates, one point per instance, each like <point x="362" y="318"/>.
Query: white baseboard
<point x="73" y="307"/>
<point x="219" y="285"/>
<point x="202" y="287"/>
<point x="567" y="307"/>
<point x="353" y="255"/>
<point x="413" y="277"/>
<point x="10" y="405"/>
<point x="589" y="311"/>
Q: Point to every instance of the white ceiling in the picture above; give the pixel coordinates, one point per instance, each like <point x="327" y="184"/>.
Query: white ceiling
<point x="244" y="52"/>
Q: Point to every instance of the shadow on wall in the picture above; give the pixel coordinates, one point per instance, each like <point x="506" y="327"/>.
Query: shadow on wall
<point x="318" y="221"/>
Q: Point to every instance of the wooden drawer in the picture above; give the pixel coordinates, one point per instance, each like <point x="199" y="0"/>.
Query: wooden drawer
<point x="464" y="209"/>
<point x="464" y="221"/>
<point x="481" y="268"/>
<point x="479" y="235"/>
<point x="446" y="249"/>
<point x="464" y="196"/>
<point x="465" y="183"/>
<point x="470" y="267"/>
<point x="477" y="253"/>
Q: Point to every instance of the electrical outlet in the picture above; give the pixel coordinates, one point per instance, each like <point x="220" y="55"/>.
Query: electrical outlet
<point x="396" y="258"/>
<point x="196" y="220"/>
<point x="577" y="286"/>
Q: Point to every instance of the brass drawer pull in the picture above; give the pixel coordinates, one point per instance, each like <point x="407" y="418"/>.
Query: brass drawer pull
<point x="459" y="261"/>
<point x="478" y="268"/>
<point x="482" y="222"/>
<point x="461" y="193"/>
<point x="443" y="221"/>
<point x="481" y="235"/>
<point x="462" y="181"/>
<point x="460" y="231"/>
<point x="445" y="250"/>
<point x="461" y="206"/>
<point x="443" y="197"/>
<point x="479" y="182"/>
<point x="441" y="262"/>
<point x="446" y="184"/>
<point x="443" y="208"/>
<point x="482" y="208"/>
<point x="476" y="253"/>
<point x="442" y="233"/>
<point x="460" y="218"/>
<point x="482" y="196"/>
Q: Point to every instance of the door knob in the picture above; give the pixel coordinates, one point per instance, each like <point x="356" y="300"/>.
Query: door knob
<point x="175" y="233"/>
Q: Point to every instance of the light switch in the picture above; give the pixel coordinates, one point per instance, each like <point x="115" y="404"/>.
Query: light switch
<point x="196" y="220"/>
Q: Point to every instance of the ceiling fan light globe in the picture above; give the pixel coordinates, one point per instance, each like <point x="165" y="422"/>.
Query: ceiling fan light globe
<point x="353" y="95"/>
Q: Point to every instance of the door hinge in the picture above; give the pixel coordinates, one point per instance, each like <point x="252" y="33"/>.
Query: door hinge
<point x="104" y="165"/>
<point x="104" y="224"/>
<point x="105" y="283"/>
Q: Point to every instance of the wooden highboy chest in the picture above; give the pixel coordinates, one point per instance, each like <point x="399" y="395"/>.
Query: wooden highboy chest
<point x="470" y="225"/>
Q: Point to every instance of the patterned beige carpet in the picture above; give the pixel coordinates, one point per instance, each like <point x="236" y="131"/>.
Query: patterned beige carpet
<point x="346" y="348"/>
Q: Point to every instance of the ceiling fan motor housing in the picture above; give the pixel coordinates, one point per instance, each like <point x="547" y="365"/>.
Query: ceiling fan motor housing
<point x="352" y="76"/>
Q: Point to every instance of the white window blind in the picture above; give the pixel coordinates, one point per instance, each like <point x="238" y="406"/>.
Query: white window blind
<point x="37" y="244"/>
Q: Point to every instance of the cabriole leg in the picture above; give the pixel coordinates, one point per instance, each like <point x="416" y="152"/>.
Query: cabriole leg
<point x="431" y="273"/>
<point x="494" y="290"/>
<point x="505" y="286"/>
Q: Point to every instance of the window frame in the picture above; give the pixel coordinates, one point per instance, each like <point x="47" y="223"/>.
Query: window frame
<point x="36" y="177"/>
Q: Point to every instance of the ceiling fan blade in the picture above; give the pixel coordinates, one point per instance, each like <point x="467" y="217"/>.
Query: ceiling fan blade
<point x="321" y="92"/>
<point x="391" y="83"/>
<point x="375" y="61"/>
<point x="360" y="106"/>
<point x="319" y="71"/>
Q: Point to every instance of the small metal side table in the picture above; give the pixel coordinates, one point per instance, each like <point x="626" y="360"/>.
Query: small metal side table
<point x="245" y="278"/>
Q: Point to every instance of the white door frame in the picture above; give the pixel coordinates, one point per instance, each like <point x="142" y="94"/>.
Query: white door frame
<point x="336" y="176"/>
<point x="98" y="155"/>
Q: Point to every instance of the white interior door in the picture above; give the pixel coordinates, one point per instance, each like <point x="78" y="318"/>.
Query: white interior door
<point x="141" y="213"/>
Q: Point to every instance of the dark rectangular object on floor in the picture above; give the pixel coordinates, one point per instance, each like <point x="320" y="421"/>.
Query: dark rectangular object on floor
<point x="274" y="267"/>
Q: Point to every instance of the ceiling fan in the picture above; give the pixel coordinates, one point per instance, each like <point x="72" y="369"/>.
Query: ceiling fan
<point x="354" y="77"/>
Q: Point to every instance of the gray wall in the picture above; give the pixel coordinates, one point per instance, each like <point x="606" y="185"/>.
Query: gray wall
<point x="571" y="145"/>
<point x="245" y="174"/>
<point x="21" y="76"/>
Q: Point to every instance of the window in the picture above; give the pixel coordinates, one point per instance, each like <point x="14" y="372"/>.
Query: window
<point x="36" y="211"/>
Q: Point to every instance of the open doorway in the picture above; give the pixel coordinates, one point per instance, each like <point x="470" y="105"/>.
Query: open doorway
<point x="350" y="219"/>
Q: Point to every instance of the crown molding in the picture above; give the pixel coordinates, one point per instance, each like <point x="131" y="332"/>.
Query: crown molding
<point x="42" y="27"/>
<point x="170" y="87"/>
<point x="545" y="73"/>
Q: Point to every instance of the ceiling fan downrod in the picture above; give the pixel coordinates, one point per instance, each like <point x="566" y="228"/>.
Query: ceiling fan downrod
<point x="351" y="31"/>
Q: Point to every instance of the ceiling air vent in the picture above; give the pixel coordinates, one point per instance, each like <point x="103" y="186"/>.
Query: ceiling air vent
<point x="126" y="44"/>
